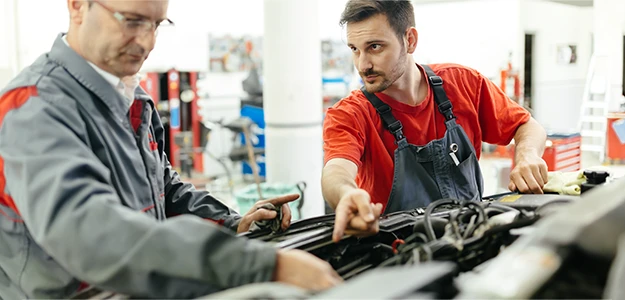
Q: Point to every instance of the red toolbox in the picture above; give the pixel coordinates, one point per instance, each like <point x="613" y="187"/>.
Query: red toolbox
<point x="615" y="151"/>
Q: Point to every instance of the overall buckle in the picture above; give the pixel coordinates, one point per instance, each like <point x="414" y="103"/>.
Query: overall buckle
<point x="395" y="127"/>
<point x="384" y="109"/>
<point x="436" y="80"/>
<point x="396" y="130"/>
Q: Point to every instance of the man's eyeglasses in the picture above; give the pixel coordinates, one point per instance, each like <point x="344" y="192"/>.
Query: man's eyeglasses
<point x="136" y="27"/>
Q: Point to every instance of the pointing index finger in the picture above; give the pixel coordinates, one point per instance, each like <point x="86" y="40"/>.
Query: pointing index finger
<point x="340" y="222"/>
<point x="283" y="199"/>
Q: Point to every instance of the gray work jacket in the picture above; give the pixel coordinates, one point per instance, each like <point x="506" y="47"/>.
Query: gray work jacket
<point x="87" y="196"/>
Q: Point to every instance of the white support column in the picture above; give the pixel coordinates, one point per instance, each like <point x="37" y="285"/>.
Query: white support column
<point x="292" y="97"/>
<point x="609" y="29"/>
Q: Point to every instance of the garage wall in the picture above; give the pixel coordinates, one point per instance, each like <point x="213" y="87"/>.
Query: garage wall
<point x="482" y="34"/>
<point x="558" y="88"/>
<point x="489" y="31"/>
<point x="186" y="46"/>
<point x="39" y="22"/>
<point x="479" y="33"/>
<point x="6" y="41"/>
<point x="25" y="36"/>
<point x="241" y="17"/>
<point x="195" y="19"/>
<point x="609" y="24"/>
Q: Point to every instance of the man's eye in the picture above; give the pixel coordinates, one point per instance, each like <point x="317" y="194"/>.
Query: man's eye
<point x="134" y="23"/>
<point x="376" y="46"/>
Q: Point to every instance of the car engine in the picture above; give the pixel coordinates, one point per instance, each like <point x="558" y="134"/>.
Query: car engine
<point x="466" y="233"/>
<point x="507" y="246"/>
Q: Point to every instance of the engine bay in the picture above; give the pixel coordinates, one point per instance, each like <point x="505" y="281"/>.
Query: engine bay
<point x="507" y="246"/>
<point x="447" y="243"/>
<point x="466" y="233"/>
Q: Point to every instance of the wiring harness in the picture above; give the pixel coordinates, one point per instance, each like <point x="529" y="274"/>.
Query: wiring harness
<point x="467" y="233"/>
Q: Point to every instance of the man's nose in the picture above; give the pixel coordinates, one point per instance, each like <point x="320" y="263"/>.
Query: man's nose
<point x="364" y="63"/>
<point x="146" y="41"/>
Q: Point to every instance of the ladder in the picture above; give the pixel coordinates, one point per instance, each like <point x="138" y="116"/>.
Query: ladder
<point x="594" y="109"/>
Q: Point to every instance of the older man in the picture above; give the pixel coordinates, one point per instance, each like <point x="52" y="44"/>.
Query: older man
<point x="87" y="195"/>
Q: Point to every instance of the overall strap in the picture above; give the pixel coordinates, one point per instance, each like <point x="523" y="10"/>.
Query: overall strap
<point x="436" y="82"/>
<point x="392" y="124"/>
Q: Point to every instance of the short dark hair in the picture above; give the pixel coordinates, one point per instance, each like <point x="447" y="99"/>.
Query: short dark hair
<point x="399" y="13"/>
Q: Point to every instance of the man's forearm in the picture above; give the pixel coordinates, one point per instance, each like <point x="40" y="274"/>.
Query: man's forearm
<point x="530" y="139"/>
<point x="335" y="182"/>
<point x="182" y="198"/>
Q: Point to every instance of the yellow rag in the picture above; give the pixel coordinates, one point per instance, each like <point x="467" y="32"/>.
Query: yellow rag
<point x="565" y="183"/>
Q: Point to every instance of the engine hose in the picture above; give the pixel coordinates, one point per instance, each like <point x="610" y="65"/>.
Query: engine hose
<point x="429" y="230"/>
<point x="501" y="206"/>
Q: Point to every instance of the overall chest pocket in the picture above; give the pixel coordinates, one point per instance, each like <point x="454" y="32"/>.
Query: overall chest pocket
<point x="467" y="177"/>
<point x="465" y="168"/>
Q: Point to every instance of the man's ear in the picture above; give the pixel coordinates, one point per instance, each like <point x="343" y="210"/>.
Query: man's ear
<point x="412" y="37"/>
<point x="76" y="10"/>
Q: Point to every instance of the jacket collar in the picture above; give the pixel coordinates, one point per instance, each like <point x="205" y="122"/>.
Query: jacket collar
<point x="87" y="76"/>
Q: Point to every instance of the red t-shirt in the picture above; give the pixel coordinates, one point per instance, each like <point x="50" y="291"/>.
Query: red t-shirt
<point x="354" y="131"/>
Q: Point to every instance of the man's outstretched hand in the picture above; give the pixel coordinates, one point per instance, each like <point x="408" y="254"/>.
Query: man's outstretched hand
<point x="304" y="270"/>
<point x="256" y="214"/>
<point x="356" y="215"/>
